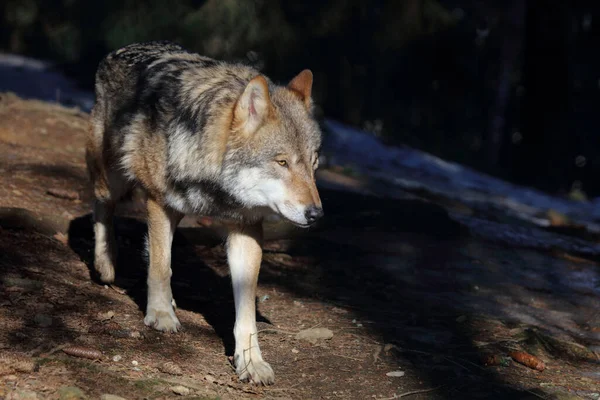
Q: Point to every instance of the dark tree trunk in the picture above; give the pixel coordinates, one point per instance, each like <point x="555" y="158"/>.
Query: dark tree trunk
<point x="544" y="156"/>
<point x="511" y="50"/>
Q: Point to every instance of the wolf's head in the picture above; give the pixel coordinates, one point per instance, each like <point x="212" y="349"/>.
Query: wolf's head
<point x="273" y="149"/>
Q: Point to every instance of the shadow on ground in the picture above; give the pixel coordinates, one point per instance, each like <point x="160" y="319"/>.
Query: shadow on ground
<point x="391" y="262"/>
<point x="415" y="279"/>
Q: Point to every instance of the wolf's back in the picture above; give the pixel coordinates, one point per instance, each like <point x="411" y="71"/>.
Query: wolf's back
<point x="162" y="79"/>
<point x="119" y="75"/>
<point x="131" y="60"/>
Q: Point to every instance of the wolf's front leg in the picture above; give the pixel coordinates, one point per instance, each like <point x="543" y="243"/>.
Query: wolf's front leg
<point x="244" y="254"/>
<point x="161" y="226"/>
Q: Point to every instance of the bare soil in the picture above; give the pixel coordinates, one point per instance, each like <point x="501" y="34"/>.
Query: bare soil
<point x="403" y="287"/>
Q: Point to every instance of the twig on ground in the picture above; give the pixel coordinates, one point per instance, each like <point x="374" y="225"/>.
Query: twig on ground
<point x="54" y="350"/>
<point x="117" y="289"/>
<point x="412" y="392"/>
<point x="457" y="363"/>
<point x="277" y="330"/>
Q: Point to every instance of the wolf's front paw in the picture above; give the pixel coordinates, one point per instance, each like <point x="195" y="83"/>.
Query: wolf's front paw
<point x="256" y="371"/>
<point x="104" y="265"/>
<point x="162" y="320"/>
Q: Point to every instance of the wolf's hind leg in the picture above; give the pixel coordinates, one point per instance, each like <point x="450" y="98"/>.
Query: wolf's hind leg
<point x="105" y="247"/>
<point x="161" y="226"/>
<point x="244" y="254"/>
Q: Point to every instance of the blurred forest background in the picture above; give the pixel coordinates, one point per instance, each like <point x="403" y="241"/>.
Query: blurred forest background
<point x="510" y="87"/>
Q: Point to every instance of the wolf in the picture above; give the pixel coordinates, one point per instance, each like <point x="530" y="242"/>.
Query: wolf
<point x="207" y="137"/>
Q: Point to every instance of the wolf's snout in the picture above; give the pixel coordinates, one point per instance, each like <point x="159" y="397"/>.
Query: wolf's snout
<point x="313" y="213"/>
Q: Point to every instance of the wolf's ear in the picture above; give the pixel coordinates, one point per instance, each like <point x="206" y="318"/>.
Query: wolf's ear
<point x="253" y="106"/>
<point x="302" y="85"/>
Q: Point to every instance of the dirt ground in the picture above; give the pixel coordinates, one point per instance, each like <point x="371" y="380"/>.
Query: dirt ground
<point x="405" y="289"/>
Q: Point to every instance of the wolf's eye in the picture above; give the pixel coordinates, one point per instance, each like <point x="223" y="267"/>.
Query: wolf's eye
<point x="283" y="163"/>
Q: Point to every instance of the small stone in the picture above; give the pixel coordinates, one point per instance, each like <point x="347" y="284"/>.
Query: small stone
<point x="106" y="316"/>
<point x="43" y="320"/>
<point x="180" y="390"/>
<point x="111" y="397"/>
<point x="264" y="298"/>
<point x="295" y="351"/>
<point x="70" y="393"/>
<point x="395" y="374"/>
<point x="117" y="358"/>
<point x="313" y="334"/>
<point x="135" y="335"/>
<point x="134" y="363"/>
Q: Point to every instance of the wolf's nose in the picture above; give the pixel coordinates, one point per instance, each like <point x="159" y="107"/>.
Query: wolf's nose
<point x="313" y="213"/>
